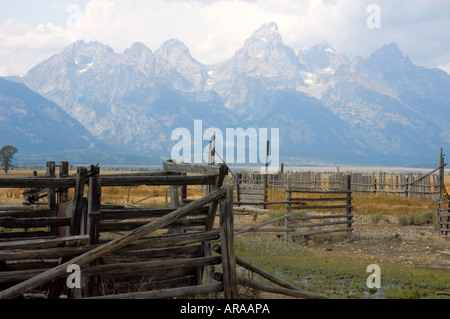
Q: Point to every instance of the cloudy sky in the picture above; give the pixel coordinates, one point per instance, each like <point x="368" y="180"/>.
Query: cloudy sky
<point x="213" y="30"/>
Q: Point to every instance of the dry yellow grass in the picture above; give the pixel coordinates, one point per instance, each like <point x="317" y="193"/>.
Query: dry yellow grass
<point x="144" y="195"/>
<point x="156" y="195"/>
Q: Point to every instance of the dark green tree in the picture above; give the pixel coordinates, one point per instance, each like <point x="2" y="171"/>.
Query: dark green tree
<point x="6" y="155"/>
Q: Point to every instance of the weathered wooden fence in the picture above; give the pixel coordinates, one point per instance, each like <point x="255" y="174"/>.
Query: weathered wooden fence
<point x="311" y="209"/>
<point x="406" y="185"/>
<point x="133" y="265"/>
<point x="443" y="218"/>
<point x="322" y="212"/>
<point x="124" y="252"/>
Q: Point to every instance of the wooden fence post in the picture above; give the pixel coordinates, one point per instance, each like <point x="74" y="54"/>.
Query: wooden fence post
<point x="63" y="172"/>
<point x="93" y="218"/>
<point x="266" y="174"/>
<point x="407" y="187"/>
<point x="238" y="191"/>
<point x="288" y="199"/>
<point x="78" y="201"/>
<point x="174" y="196"/>
<point x="223" y="171"/>
<point x="230" y="283"/>
<point x="51" y="194"/>
<point x="349" y="200"/>
<point x="441" y="174"/>
<point x="94" y="203"/>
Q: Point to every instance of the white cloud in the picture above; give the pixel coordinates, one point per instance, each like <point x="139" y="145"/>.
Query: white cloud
<point x="215" y="30"/>
<point x="22" y="46"/>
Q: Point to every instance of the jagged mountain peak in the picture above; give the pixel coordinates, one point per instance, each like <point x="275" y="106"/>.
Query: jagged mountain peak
<point x="173" y="49"/>
<point x="321" y="57"/>
<point x="325" y="47"/>
<point x="139" y="53"/>
<point x="266" y="45"/>
<point x="389" y="54"/>
<point x="138" y="47"/>
<point x="178" y="68"/>
<point x="267" y="32"/>
<point x="130" y="99"/>
<point x="264" y="40"/>
<point x="91" y="48"/>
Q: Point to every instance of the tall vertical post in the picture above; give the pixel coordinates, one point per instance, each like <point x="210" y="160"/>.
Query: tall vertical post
<point x="288" y="198"/>
<point x="63" y="172"/>
<point x="51" y="194"/>
<point x="77" y="213"/>
<point x="94" y="203"/>
<point x="266" y="175"/>
<point x="174" y="196"/>
<point x="94" y="199"/>
<point x="238" y="191"/>
<point x="348" y="189"/>
<point x="230" y="283"/>
<point x="441" y="175"/>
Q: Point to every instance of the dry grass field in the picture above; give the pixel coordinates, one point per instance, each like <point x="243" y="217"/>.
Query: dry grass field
<point x="394" y="232"/>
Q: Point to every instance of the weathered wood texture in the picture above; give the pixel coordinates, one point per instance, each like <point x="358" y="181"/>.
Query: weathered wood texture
<point x="443" y="218"/>
<point x="109" y="247"/>
<point x="428" y="185"/>
<point x="184" y="249"/>
<point x="230" y="282"/>
<point x="303" y="205"/>
<point x="317" y="211"/>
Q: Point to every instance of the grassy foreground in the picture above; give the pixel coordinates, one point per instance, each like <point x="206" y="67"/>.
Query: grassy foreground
<point x="338" y="275"/>
<point x="333" y="273"/>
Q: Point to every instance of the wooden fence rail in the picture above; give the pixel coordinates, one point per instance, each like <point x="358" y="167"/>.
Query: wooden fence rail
<point x="79" y="232"/>
<point x="324" y="206"/>
<point x="443" y="218"/>
<point x="427" y="186"/>
<point x="305" y="207"/>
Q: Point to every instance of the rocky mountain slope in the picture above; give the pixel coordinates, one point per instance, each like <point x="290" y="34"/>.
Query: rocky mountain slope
<point x="328" y="107"/>
<point x="34" y="124"/>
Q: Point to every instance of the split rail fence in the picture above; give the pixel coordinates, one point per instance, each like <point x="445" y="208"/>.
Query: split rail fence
<point x="122" y="252"/>
<point x="406" y="185"/>
<point x="312" y="210"/>
<point x="443" y="216"/>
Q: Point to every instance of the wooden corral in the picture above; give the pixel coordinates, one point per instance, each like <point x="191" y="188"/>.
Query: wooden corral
<point x="312" y="210"/>
<point x="123" y="252"/>
<point x="406" y="185"/>
<point x="332" y="208"/>
<point x="429" y="186"/>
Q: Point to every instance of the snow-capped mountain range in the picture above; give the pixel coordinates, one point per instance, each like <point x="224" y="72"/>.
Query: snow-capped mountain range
<point x="329" y="108"/>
